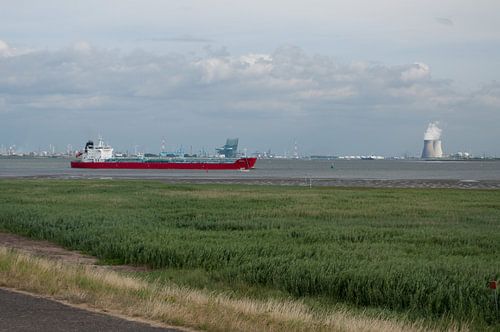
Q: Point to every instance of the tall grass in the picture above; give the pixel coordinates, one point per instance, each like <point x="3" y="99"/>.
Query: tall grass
<point x="426" y="252"/>
<point x="106" y="290"/>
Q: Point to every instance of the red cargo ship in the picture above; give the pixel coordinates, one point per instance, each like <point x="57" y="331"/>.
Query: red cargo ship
<point x="101" y="156"/>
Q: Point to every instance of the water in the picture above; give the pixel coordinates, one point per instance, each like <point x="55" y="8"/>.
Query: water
<point x="273" y="169"/>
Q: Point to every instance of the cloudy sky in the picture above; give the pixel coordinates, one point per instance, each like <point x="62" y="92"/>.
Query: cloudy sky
<point x="338" y="77"/>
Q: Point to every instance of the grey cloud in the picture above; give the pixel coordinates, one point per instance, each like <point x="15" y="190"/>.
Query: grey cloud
<point x="488" y="95"/>
<point x="444" y="21"/>
<point x="180" y="39"/>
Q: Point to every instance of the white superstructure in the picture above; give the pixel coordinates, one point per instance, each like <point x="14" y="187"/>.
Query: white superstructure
<point x="99" y="152"/>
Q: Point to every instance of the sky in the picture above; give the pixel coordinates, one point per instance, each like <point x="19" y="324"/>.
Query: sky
<point x="336" y="77"/>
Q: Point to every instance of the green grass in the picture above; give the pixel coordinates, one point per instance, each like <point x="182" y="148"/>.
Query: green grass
<point x="425" y="252"/>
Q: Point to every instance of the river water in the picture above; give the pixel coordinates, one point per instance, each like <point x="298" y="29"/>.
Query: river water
<point x="272" y="169"/>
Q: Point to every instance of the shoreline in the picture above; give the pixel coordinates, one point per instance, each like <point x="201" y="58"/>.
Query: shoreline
<point x="301" y="182"/>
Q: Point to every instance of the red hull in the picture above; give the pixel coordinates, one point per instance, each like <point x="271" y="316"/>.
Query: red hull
<point x="242" y="163"/>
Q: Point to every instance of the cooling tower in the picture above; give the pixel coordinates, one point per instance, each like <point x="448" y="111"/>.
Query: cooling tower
<point x="438" y="151"/>
<point x="428" y="151"/>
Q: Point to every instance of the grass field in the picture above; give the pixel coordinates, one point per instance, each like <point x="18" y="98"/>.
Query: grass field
<point x="419" y="253"/>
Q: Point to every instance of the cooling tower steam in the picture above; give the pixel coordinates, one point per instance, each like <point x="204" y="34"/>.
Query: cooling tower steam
<point x="432" y="142"/>
<point x="433" y="132"/>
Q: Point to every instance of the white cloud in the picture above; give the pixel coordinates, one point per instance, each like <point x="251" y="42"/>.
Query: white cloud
<point x="216" y="69"/>
<point x="3" y="47"/>
<point x="82" y="47"/>
<point x="7" y="51"/>
<point x="416" y="72"/>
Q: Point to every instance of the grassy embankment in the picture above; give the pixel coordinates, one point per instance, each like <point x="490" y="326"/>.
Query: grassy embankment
<point x="418" y="254"/>
<point x="106" y="290"/>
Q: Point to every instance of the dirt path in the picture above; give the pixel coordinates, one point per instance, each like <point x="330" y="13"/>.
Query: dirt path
<point x="49" y="250"/>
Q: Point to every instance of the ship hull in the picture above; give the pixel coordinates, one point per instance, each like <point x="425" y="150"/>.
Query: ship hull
<point x="239" y="164"/>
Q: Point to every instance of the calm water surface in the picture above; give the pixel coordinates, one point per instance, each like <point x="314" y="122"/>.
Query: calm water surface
<point x="273" y="169"/>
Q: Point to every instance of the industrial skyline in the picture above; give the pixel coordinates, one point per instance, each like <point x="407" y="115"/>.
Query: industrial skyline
<point x="432" y="149"/>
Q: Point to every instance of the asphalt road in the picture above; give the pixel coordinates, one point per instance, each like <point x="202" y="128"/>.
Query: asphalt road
<point x="21" y="312"/>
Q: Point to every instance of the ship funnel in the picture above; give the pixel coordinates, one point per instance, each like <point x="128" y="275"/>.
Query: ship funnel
<point x="89" y="145"/>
